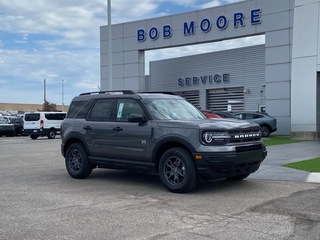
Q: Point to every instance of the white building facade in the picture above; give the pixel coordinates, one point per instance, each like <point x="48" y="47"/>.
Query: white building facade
<point x="281" y="76"/>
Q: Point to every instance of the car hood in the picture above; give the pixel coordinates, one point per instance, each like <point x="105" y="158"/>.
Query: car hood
<point x="217" y="124"/>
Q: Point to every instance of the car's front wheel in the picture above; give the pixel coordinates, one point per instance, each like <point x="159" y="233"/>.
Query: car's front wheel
<point x="265" y="131"/>
<point x="177" y="170"/>
<point x="76" y="160"/>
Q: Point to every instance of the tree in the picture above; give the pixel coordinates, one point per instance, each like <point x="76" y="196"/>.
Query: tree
<point x="49" y="107"/>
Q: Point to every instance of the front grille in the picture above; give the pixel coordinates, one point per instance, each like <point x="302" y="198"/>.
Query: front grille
<point x="248" y="148"/>
<point x="244" y="136"/>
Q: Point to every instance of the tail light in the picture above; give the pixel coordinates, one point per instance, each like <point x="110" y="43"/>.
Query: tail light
<point x="41" y="124"/>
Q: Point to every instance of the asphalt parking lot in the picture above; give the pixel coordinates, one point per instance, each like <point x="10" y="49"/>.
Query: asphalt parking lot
<point x="38" y="200"/>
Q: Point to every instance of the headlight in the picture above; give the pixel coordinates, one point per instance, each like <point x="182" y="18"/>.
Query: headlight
<point x="215" y="138"/>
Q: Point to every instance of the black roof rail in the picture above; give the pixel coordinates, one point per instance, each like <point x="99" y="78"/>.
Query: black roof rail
<point x="109" y="92"/>
<point x="170" y="93"/>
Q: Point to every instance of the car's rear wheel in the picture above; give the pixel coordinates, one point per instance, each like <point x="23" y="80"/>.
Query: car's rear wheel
<point x="76" y="160"/>
<point x="265" y="131"/>
<point x="34" y="137"/>
<point x="177" y="170"/>
<point x="239" y="177"/>
<point x="51" y="134"/>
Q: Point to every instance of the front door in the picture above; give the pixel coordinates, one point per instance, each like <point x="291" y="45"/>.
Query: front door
<point x="129" y="140"/>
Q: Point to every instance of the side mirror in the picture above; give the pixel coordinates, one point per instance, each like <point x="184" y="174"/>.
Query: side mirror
<point x="136" y="118"/>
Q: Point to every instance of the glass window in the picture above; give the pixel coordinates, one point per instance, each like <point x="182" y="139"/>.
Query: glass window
<point x="257" y="116"/>
<point x="102" y="110"/>
<point x="30" y="117"/>
<point x="126" y="107"/>
<point x="172" y="109"/>
<point x="75" y="108"/>
<point x="55" y="116"/>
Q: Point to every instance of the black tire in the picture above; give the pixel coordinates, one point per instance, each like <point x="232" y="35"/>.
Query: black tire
<point x="177" y="171"/>
<point x="76" y="160"/>
<point x="10" y="134"/>
<point x="51" y="134"/>
<point x="239" y="177"/>
<point x="34" y="137"/>
<point x="265" y="131"/>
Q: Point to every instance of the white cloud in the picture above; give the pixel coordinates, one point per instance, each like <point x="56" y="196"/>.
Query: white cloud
<point x="59" y="40"/>
<point x="216" y="3"/>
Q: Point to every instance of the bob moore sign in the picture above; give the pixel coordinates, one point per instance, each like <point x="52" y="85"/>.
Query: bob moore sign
<point x="189" y="28"/>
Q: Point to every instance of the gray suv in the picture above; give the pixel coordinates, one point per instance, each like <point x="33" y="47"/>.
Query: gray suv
<point x="157" y="133"/>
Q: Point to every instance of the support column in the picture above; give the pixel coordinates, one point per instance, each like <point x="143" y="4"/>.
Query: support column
<point x="304" y="87"/>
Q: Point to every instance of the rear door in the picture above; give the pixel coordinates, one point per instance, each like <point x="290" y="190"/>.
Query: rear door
<point x="97" y="127"/>
<point x="31" y="121"/>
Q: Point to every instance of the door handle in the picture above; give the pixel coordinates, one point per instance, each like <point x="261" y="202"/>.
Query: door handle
<point x="87" y="128"/>
<point x="117" y="129"/>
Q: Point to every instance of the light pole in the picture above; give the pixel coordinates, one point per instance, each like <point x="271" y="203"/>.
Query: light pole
<point x="110" y="46"/>
<point x="62" y="108"/>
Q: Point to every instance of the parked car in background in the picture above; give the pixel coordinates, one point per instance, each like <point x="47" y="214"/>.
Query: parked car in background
<point x="225" y="114"/>
<point x="217" y="114"/>
<point x="18" y="125"/>
<point x="210" y="114"/>
<point x="39" y="124"/>
<point x="267" y="123"/>
<point x="6" y="128"/>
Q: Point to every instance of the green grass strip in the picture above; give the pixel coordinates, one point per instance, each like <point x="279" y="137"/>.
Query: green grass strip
<point x="277" y="140"/>
<point x="311" y="165"/>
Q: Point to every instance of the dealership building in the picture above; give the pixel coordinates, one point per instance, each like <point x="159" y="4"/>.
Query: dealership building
<point x="280" y="77"/>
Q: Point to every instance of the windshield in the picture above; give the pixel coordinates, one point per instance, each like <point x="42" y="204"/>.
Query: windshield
<point x="172" y="109"/>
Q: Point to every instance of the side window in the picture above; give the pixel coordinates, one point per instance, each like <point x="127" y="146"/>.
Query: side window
<point x="75" y="108"/>
<point x="102" y="110"/>
<point x="248" y="116"/>
<point x="125" y="107"/>
<point x="240" y="116"/>
<point x="55" y="116"/>
<point x="84" y="110"/>
<point x="257" y="116"/>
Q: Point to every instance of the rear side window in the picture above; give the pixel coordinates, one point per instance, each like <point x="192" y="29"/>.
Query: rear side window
<point x="55" y="116"/>
<point x="32" y="117"/>
<point x="257" y="116"/>
<point x="75" y="108"/>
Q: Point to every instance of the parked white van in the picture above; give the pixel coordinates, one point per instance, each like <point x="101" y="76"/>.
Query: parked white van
<point x="39" y="124"/>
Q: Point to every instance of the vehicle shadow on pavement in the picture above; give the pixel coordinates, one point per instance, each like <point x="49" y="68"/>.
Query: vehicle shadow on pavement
<point x="132" y="179"/>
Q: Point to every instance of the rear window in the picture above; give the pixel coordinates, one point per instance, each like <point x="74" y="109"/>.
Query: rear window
<point x="32" y="117"/>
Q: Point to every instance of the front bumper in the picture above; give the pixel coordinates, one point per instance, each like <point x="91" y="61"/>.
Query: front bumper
<point x="217" y="165"/>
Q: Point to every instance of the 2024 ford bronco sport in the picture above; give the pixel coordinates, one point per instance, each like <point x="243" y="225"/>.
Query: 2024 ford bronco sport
<point x="158" y="133"/>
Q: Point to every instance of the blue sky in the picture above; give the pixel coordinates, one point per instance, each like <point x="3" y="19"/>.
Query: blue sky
<point x="58" y="41"/>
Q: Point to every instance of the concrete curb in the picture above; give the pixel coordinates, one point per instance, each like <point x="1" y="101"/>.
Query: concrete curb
<point x="272" y="167"/>
<point x="313" y="178"/>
